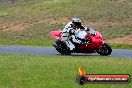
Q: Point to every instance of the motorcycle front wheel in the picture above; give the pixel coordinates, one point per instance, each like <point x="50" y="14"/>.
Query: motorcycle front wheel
<point x="105" y="51"/>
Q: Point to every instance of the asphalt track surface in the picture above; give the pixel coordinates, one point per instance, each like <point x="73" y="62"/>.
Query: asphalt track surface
<point x="120" y="53"/>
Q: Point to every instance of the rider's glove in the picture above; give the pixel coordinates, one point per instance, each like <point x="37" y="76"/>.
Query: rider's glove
<point x="87" y="29"/>
<point x="82" y="43"/>
<point x="89" y="40"/>
<point x="93" y="33"/>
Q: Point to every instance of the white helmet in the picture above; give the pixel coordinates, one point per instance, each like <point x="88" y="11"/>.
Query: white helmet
<point x="74" y="20"/>
<point x="77" y="22"/>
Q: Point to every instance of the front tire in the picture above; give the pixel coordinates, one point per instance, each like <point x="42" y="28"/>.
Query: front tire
<point x="105" y="51"/>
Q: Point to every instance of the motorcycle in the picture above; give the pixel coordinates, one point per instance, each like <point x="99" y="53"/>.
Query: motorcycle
<point x="92" y="44"/>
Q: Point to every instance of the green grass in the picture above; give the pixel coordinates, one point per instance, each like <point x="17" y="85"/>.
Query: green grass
<point x="37" y="71"/>
<point x="121" y="46"/>
<point x="38" y="34"/>
<point x="115" y="31"/>
<point x="88" y="9"/>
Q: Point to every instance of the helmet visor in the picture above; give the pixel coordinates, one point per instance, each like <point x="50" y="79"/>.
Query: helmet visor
<point x="78" y="24"/>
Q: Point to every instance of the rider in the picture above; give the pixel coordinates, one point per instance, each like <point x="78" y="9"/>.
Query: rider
<point x="68" y="33"/>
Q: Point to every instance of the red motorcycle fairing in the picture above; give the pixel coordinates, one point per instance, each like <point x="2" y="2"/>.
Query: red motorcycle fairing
<point x="88" y="47"/>
<point x="56" y="34"/>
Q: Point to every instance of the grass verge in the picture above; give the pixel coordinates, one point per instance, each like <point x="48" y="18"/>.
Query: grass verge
<point x="34" y="71"/>
<point x="121" y="46"/>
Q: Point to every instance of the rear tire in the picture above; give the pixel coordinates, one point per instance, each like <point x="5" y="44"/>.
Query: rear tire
<point x="62" y="48"/>
<point x="105" y="51"/>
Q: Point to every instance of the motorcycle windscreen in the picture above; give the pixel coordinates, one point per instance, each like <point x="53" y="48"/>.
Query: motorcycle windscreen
<point x="81" y="34"/>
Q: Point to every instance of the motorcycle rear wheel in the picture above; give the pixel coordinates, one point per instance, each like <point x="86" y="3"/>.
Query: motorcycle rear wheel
<point x="62" y="48"/>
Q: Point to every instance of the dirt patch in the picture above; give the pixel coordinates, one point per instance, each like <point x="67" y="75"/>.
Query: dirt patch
<point x="123" y="40"/>
<point x="15" y="27"/>
<point x="55" y="21"/>
<point x="19" y="26"/>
